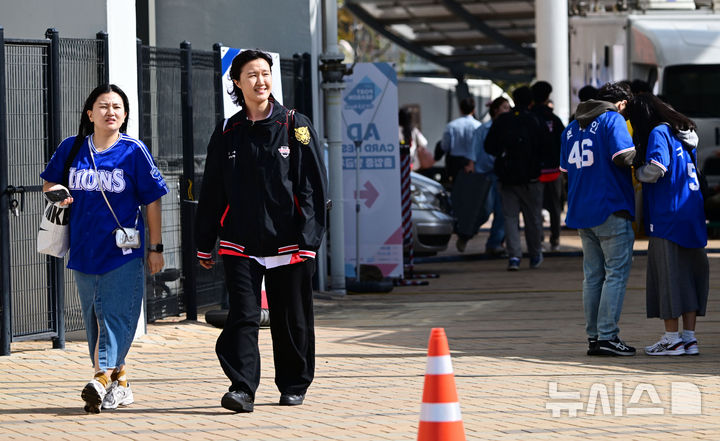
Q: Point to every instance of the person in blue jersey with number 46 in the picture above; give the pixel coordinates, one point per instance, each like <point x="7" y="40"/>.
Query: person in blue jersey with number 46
<point x="677" y="281"/>
<point x="596" y="153"/>
<point x="107" y="168"/>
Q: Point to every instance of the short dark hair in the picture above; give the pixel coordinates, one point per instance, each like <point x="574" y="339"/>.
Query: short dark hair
<point x="467" y="105"/>
<point x="238" y="62"/>
<point x="86" y="126"/>
<point x="614" y="92"/>
<point x="541" y="91"/>
<point x="587" y="92"/>
<point x="522" y="96"/>
<point x="495" y="105"/>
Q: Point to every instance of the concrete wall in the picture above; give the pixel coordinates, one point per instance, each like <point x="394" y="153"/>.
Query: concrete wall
<point x="281" y="26"/>
<point x="72" y="18"/>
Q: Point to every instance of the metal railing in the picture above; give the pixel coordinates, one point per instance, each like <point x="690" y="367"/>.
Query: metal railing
<point x="41" y="83"/>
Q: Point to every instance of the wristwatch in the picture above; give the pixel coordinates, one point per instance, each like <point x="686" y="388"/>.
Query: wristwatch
<point x="158" y="247"/>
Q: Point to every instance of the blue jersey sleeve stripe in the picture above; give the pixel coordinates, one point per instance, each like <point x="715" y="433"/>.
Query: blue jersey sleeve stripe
<point x="143" y="148"/>
<point x="664" y="169"/>
<point x="620" y="152"/>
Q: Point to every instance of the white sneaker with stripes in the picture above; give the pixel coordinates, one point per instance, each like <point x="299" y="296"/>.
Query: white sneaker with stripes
<point x="691" y="347"/>
<point x="666" y="346"/>
<point x="118" y="396"/>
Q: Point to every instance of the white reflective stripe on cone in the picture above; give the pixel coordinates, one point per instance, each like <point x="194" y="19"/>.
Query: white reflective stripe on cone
<point x="440" y="412"/>
<point x="439" y="365"/>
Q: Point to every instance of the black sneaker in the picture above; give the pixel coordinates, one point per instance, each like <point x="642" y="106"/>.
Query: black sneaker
<point x="614" y="347"/>
<point x="592" y="346"/>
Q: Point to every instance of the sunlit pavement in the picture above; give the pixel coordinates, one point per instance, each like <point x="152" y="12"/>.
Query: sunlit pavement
<point x="518" y="351"/>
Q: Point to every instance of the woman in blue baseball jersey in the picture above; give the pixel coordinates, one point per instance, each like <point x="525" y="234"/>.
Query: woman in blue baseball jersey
<point x="103" y="159"/>
<point x="677" y="274"/>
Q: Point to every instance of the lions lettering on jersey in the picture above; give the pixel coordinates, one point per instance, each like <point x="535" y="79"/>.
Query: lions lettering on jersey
<point x="86" y="179"/>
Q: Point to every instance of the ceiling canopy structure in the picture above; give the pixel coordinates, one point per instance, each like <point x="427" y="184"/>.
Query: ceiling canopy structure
<point x="492" y="39"/>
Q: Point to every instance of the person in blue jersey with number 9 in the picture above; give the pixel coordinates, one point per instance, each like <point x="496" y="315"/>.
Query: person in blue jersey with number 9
<point x="596" y="153"/>
<point x="111" y="175"/>
<point x="677" y="267"/>
<point x="263" y="195"/>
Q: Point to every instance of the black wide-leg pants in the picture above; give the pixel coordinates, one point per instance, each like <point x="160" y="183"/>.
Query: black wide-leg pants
<point x="289" y="295"/>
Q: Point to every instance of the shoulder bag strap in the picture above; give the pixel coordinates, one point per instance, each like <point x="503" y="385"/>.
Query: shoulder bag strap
<point x="71" y="157"/>
<point x="97" y="176"/>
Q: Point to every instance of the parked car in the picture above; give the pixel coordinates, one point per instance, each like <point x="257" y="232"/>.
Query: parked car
<point x="431" y="218"/>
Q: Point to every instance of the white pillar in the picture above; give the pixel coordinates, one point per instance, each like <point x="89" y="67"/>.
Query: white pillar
<point x="122" y="49"/>
<point x="552" y="53"/>
<point x="333" y="86"/>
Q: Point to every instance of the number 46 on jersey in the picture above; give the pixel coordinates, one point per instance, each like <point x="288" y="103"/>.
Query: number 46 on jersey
<point x="581" y="154"/>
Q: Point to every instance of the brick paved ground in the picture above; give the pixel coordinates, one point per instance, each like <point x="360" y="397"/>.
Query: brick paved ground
<point x="511" y="336"/>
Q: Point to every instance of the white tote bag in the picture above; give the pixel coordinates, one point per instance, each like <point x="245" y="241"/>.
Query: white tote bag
<point x="54" y="234"/>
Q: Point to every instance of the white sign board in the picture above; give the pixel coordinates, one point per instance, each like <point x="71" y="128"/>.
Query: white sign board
<point x="370" y="114"/>
<point x="228" y="54"/>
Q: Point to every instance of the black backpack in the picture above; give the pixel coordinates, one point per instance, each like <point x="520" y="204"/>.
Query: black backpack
<point x="518" y="136"/>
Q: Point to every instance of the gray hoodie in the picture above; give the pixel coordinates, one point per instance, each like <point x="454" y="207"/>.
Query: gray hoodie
<point x="586" y="113"/>
<point x="650" y="172"/>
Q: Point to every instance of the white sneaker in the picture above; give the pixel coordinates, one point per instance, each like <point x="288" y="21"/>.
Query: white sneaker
<point x="666" y="347"/>
<point x="93" y="394"/>
<point x="118" y="396"/>
<point x="691" y="347"/>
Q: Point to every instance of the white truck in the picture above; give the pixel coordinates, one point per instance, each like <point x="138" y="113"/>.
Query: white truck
<point x="677" y="52"/>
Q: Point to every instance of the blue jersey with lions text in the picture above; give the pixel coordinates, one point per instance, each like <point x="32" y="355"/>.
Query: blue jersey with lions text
<point x="129" y="177"/>
<point x="597" y="187"/>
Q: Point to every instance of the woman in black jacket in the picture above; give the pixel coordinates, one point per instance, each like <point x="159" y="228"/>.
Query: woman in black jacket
<point x="263" y="195"/>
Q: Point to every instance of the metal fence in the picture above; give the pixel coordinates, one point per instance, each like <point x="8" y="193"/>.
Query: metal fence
<point x="43" y="84"/>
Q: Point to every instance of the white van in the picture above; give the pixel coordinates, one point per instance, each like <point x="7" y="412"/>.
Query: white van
<point x="676" y="52"/>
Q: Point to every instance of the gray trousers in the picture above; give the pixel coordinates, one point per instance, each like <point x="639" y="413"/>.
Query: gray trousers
<point x="528" y="199"/>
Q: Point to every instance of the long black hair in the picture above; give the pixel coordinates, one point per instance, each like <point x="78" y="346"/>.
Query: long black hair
<point x="645" y="112"/>
<point x="86" y="126"/>
<point x="238" y="62"/>
<point x="405" y="120"/>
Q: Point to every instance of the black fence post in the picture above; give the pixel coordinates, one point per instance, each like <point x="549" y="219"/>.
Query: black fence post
<point x="186" y="183"/>
<point x="103" y="62"/>
<point x="5" y="307"/>
<point x="218" y="72"/>
<point x="302" y="84"/>
<point x="55" y="265"/>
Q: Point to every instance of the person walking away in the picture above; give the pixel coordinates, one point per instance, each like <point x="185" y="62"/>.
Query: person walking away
<point x="457" y="144"/>
<point x="550" y="171"/>
<point x="596" y="153"/>
<point x="485" y="166"/>
<point x="515" y="140"/>
<point x="110" y="176"/>
<point x="677" y="266"/>
<point x="263" y="195"/>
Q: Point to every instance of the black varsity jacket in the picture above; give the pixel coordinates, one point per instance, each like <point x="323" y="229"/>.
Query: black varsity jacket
<point x="264" y="188"/>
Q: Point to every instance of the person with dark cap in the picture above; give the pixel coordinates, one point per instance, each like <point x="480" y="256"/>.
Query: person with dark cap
<point x="587" y="92"/>
<point x="516" y="140"/>
<point x="596" y="153"/>
<point x="550" y="172"/>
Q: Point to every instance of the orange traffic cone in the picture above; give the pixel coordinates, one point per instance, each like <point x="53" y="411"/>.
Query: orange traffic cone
<point x="440" y="418"/>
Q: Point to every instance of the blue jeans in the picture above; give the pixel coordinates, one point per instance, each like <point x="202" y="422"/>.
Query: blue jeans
<point x="111" y="308"/>
<point x="493" y="204"/>
<point x="607" y="256"/>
